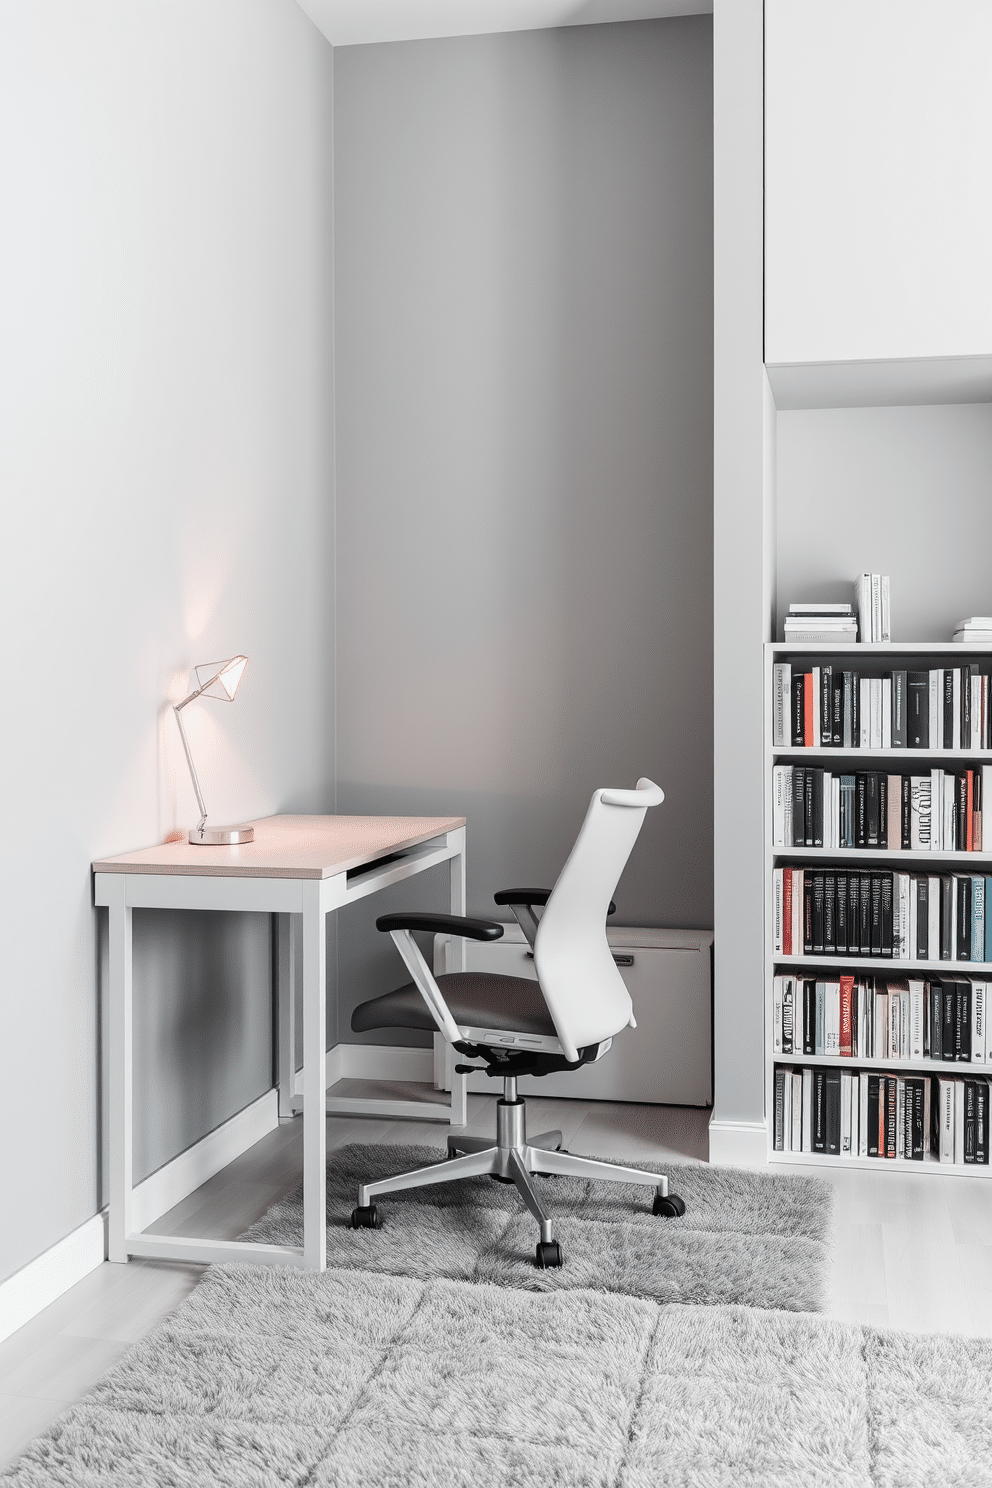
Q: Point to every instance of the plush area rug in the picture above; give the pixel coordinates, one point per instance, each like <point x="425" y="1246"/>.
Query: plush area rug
<point x="757" y="1239"/>
<point x="357" y="1380"/>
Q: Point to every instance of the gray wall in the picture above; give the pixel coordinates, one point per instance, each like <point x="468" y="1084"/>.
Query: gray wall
<point x="165" y="378"/>
<point x="523" y="311"/>
<point x="902" y="491"/>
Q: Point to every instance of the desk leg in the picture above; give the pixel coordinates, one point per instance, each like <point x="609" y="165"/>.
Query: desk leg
<point x="120" y="1070"/>
<point x="457" y="1084"/>
<point x="314" y="1077"/>
<point x="286" y="1010"/>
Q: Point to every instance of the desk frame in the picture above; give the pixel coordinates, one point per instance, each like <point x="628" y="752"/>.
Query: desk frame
<point x="313" y="899"/>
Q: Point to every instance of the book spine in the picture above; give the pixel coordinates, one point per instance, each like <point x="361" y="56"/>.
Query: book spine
<point x="826" y="706"/>
<point x="781" y="704"/>
<point x="788" y="1015"/>
<point x="798" y="710"/>
<point x="948" y="709"/>
<point x="977" y="919"/>
<point x="779" y="1110"/>
<point x="979" y="993"/>
<point x="846" y="991"/>
<point x="837" y="711"/>
<point x="809" y="693"/>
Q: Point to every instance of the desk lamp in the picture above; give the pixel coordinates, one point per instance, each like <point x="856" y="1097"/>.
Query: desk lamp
<point x="222" y="682"/>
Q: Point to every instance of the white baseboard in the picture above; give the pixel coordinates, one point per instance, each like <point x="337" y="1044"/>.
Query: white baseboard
<point x="180" y="1177"/>
<point x="738" y="1144"/>
<point x="43" y="1280"/>
<point x="376" y="1062"/>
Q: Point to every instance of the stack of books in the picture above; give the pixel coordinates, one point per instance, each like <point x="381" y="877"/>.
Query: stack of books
<point x="976" y="631"/>
<point x="820" y="622"/>
<point x="871" y="594"/>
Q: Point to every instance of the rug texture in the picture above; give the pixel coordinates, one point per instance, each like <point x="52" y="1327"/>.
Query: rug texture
<point x="757" y="1239"/>
<point x="360" y="1380"/>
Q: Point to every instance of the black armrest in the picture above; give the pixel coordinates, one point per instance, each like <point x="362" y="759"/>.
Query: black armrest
<point x="442" y="924"/>
<point x="532" y="897"/>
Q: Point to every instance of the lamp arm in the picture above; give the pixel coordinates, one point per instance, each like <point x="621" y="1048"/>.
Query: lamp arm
<point x="189" y="758"/>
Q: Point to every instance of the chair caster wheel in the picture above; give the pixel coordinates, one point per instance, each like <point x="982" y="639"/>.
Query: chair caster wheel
<point x="549" y="1254"/>
<point x="670" y="1208"/>
<point x="366" y="1217"/>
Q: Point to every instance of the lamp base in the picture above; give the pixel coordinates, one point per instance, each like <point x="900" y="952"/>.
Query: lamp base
<point x="221" y="836"/>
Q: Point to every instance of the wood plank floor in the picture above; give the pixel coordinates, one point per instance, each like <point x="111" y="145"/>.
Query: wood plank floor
<point x="911" y="1252"/>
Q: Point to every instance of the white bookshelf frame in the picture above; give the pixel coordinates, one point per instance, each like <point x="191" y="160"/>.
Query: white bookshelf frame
<point x="864" y="857"/>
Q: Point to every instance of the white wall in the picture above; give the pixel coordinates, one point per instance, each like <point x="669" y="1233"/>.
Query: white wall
<point x="742" y="573"/>
<point x="877" y="191"/>
<point x="524" y="369"/>
<point x="902" y="491"/>
<point x="165" y="467"/>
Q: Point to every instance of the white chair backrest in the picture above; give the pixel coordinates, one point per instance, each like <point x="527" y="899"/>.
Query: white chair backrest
<point x="579" y="978"/>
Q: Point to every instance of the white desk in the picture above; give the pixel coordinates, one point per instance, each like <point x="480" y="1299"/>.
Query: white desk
<point x="302" y="865"/>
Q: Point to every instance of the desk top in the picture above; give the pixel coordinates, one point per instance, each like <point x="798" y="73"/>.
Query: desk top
<point x="289" y="847"/>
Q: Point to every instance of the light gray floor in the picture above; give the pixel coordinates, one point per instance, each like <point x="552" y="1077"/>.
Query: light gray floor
<point x="912" y="1252"/>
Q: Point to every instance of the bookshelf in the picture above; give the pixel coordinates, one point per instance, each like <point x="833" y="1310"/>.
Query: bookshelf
<point x="873" y="660"/>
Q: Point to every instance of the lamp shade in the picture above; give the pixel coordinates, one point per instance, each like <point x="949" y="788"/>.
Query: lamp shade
<point x="221" y="677"/>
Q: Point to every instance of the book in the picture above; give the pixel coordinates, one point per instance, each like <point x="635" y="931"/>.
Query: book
<point x="918" y="710"/>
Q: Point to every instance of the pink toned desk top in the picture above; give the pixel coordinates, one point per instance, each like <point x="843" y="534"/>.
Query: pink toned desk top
<point x="289" y="847"/>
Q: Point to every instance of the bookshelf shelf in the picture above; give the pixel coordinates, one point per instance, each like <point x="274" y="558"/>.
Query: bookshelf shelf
<point x="800" y="753"/>
<point x="856" y="855"/>
<point x="924" y="863"/>
<point x="929" y="1164"/>
<point x="911" y="1066"/>
<point x="949" y="649"/>
<point x="882" y="963"/>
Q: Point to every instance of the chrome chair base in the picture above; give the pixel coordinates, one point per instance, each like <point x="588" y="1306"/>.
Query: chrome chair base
<point x="514" y="1159"/>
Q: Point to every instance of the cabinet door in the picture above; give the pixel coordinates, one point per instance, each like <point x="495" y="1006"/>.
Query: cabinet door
<point x="878" y="179"/>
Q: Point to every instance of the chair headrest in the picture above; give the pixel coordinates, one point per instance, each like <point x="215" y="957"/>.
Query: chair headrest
<point x="645" y="794"/>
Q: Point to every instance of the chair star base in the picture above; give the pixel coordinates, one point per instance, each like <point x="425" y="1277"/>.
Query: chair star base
<point x="514" y="1159"/>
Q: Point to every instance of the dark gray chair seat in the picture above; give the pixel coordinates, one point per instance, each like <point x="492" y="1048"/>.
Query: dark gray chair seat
<point x="477" y="999"/>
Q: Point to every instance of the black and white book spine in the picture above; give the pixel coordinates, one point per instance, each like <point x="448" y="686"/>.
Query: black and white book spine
<point x="864" y="712"/>
<point x="920" y="812"/>
<point x="778" y="904"/>
<point x="979" y="992"/>
<point x="899" y="710"/>
<point x="956" y="703"/>
<point x="886" y="630"/>
<point x="947" y="732"/>
<point x="779" y="1110"/>
<point x="887" y="712"/>
<point x="850" y="736"/>
<point x="863" y="1115"/>
<point x="936" y="691"/>
<point x="788" y="1014"/>
<point x="826" y="735"/>
<point x="845" y="1114"/>
<point x="777" y="1014"/>
<point x="807" y="1110"/>
<point x="797" y="1110"/>
<point x="917" y="1018"/>
<point x="958" y="1121"/>
<point x="781" y="804"/>
<point x="918" y="709"/>
<point x="781" y="705"/>
<point x="817" y="698"/>
<point x="945" y="1088"/>
<point x="976" y="707"/>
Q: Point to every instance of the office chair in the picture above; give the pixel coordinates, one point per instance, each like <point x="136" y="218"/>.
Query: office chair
<point x="566" y="1019"/>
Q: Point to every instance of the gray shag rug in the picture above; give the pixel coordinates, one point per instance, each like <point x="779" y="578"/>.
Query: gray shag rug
<point x="357" y="1380"/>
<point x="751" y="1238"/>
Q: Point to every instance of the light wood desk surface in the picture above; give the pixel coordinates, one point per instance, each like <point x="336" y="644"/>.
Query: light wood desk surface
<point x="289" y="847"/>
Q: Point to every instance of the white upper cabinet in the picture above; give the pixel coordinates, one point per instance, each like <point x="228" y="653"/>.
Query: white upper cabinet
<point x="878" y="179"/>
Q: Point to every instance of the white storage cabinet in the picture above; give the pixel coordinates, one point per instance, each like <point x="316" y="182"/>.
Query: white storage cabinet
<point x="667" y="1059"/>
